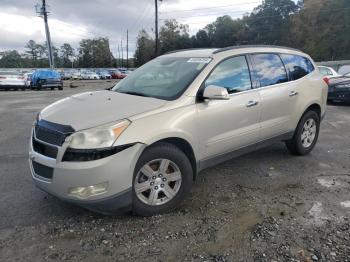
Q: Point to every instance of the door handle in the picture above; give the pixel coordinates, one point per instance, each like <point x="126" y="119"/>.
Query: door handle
<point x="252" y="103"/>
<point x="293" y="93"/>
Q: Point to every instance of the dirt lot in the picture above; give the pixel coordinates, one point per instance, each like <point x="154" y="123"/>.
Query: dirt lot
<point x="265" y="206"/>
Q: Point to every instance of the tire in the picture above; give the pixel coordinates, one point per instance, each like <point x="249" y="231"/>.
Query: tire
<point x="296" y="146"/>
<point x="60" y="88"/>
<point x="177" y="163"/>
<point x="38" y="87"/>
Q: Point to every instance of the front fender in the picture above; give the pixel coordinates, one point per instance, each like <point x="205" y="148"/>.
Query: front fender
<point x="175" y="123"/>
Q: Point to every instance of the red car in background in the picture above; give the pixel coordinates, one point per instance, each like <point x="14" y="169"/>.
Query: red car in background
<point x="117" y="74"/>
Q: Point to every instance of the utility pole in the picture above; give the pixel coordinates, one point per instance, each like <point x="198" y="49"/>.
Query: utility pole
<point x="118" y="56"/>
<point x="121" y="42"/>
<point x="156" y="27"/>
<point x="127" y="48"/>
<point x="42" y="11"/>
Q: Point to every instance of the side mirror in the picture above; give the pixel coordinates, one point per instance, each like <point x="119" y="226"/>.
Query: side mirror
<point x="213" y="92"/>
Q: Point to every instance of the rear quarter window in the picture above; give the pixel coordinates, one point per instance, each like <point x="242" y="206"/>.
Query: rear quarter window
<point x="297" y="66"/>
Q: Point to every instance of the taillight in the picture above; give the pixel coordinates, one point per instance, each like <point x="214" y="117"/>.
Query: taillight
<point x="20" y="77"/>
<point x="326" y="80"/>
<point x="2" y="77"/>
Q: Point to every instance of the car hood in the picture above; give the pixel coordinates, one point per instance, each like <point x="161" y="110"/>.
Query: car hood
<point x="92" y="109"/>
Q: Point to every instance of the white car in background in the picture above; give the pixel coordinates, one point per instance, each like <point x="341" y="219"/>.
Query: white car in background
<point x="328" y="72"/>
<point x="345" y="69"/>
<point x="27" y="79"/>
<point x="12" y="80"/>
<point x="76" y="76"/>
<point x="89" y="76"/>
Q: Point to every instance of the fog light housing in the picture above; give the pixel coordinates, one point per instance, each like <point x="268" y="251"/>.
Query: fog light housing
<point x="88" y="191"/>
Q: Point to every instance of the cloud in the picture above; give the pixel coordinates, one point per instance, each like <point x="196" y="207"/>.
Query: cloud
<point x="72" y="20"/>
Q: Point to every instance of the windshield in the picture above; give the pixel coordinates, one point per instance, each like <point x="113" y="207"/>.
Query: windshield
<point x="164" y="78"/>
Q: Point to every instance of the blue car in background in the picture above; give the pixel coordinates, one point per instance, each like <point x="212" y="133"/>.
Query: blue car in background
<point x="46" y="78"/>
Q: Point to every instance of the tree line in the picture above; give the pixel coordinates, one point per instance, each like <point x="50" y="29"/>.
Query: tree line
<point x="91" y="53"/>
<point x="320" y="28"/>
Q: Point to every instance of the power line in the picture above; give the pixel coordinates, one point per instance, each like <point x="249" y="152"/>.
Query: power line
<point x="214" y="7"/>
<point x="127" y="48"/>
<point x="262" y="17"/>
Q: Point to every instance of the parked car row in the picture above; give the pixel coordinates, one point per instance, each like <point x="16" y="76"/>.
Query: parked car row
<point x="338" y="84"/>
<point x="36" y="80"/>
<point x="75" y="74"/>
<point x="48" y="78"/>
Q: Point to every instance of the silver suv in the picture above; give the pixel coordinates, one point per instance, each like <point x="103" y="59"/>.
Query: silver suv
<point x="141" y="145"/>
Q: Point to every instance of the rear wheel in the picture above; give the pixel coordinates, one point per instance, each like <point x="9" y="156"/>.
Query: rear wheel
<point x="306" y="134"/>
<point x="163" y="177"/>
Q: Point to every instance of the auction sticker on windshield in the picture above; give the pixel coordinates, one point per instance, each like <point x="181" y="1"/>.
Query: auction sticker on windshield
<point x="199" y="60"/>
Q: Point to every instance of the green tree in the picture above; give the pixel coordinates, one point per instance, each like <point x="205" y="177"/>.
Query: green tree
<point x="32" y="50"/>
<point x="10" y="59"/>
<point x="269" y="23"/>
<point x="322" y="29"/>
<point x="144" y="48"/>
<point x="95" y="53"/>
<point x="67" y="54"/>
<point x="201" y="39"/>
<point x="173" y="36"/>
<point x="223" y="32"/>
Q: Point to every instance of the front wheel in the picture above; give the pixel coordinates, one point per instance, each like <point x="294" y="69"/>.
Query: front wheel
<point x="163" y="177"/>
<point x="306" y="134"/>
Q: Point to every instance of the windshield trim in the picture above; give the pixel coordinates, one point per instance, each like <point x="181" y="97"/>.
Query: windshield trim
<point x="178" y="95"/>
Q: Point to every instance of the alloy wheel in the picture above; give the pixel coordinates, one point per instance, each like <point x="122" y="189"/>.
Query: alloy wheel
<point x="158" y="182"/>
<point x="309" y="133"/>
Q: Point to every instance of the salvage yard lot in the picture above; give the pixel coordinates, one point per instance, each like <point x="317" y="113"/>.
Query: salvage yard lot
<point x="264" y="206"/>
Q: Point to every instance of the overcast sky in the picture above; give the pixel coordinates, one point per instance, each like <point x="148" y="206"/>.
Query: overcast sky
<point x="72" y="20"/>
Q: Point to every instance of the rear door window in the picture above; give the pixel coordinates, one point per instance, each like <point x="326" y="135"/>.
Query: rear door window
<point x="269" y="69"/>
<point x="298" y="66"/>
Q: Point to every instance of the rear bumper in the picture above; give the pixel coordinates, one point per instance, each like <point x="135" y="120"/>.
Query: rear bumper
<point x="339" y="96"/>
<point x="12" y="83"/>
<point x="52" y="84"/>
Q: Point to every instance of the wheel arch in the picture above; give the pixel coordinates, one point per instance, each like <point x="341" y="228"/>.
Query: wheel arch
<point x="314" y="107"/>
<point x="184" y="146"/>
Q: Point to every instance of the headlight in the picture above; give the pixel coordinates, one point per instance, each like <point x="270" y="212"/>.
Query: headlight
<point x="98" y="137"/>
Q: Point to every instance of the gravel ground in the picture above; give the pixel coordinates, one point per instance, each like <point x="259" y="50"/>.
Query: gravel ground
<point x="264" y="206"/>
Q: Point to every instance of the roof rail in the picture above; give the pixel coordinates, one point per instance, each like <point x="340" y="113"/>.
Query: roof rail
<point x="248" y="46"/>
<point x="186" y="49"/>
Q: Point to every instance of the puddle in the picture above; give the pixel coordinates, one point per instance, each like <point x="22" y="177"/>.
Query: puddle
<point x="328" y="182"/>
<point x="345" y="204"/>
<point x="324" y="165"/>
<point x="316" y="212"/>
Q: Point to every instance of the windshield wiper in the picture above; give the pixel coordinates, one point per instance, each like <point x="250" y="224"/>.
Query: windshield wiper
<point x="135" y="93"/>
